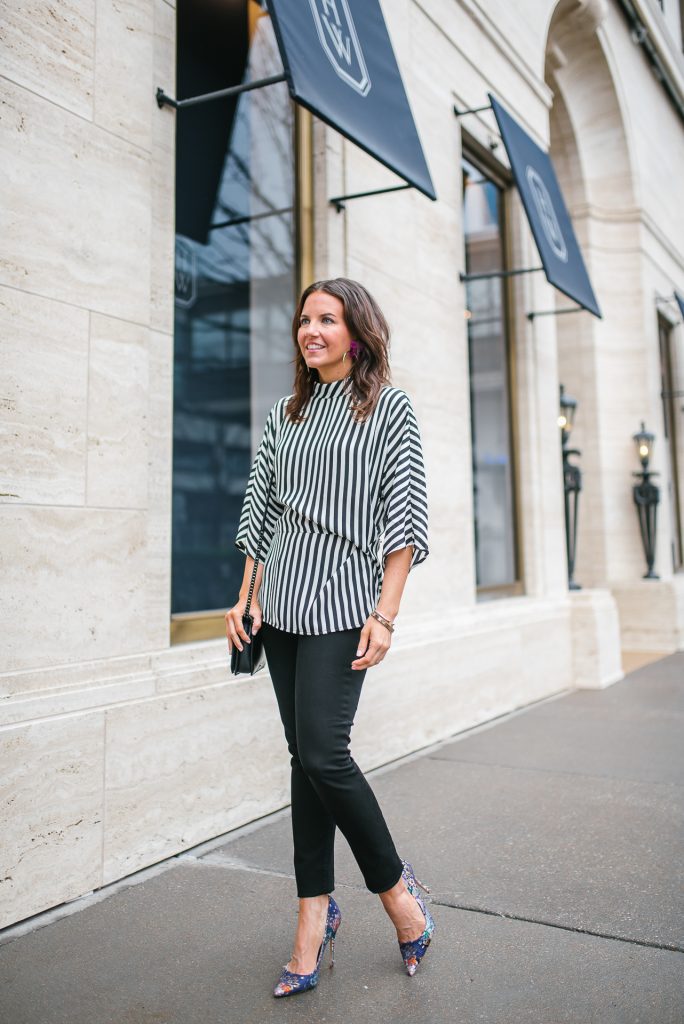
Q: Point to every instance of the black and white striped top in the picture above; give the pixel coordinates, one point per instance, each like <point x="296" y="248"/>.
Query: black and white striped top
<point x="344" y="496"/>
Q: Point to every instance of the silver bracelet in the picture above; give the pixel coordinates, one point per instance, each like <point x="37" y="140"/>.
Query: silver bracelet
<point x="381" y="618"/>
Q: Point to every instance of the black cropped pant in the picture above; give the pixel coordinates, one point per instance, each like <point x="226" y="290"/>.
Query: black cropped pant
<point x="318" y="693"/>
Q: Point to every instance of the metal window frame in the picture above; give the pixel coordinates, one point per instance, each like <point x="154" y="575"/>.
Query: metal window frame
<point x="670" y="419"/>
<point x="482" y="158"/>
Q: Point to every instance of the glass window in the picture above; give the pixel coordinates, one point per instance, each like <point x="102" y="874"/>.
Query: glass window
<point x="235" y="282"/>
<point x="493" y="493"/>
<point x="671" y="440"/>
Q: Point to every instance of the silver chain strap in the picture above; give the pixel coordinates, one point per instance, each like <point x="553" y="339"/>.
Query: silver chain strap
<point x="258" y="551"/>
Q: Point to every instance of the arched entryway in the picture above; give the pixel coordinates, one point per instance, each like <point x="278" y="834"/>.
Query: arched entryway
<point x="601" y="362"/>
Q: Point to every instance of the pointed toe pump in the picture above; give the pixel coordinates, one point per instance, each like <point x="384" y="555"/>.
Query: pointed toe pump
<point x="290" y="983"/>
<point x="414" y="950"/>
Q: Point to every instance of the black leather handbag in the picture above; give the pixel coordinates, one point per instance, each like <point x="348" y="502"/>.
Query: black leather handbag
<point x="252" y="657"/>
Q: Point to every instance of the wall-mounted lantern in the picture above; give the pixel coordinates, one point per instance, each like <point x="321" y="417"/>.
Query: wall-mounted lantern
<point x="646" y="498"/>
<point x="572" y="482"/>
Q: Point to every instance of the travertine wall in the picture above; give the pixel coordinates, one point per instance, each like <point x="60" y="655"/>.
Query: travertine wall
<point x="86" y="319"/>
<point x="117" y="750"/>
<point x="86" y="293"/>
<point x="619" y="149"/>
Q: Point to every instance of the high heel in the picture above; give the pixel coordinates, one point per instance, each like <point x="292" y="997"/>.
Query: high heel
<point x="414" y="950"/>
<point x="290" y="983"/>
<point x="411" y="881"/>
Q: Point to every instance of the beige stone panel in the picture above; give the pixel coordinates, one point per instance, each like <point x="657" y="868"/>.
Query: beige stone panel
<point x="159" y="483"/>
<point x="655" y="134"/>
<point x="82" y="675"/>
<point x="124" y="96"/>
<point x="396" y="17"/>
<point x="79" y="233"/>
<point x="67" y="700"/>
<point x="44" y="360"/>
<point x="328" y="227"/>
<point x="447" y="58"/>
<point x="539" y="344"/>
<point x="381" y="225"/>
<point x="578" y="371"/>
<point x="651" y="613"/>
<point x="331" y="237"/>
<point x="51" y="794"/>
<point x="595" y="639"/>
<point x="510" y="652"/>
<point x="663" y="262"/>
<point x="482" y="58"/>
<point x="163" y="171"/>
<point x="595" y="117"/>
<point x="404" y="233"/>
<point x="118" y="387"/>
<point x="49" y="49"/>
<point x="74" y="584"/>
<point x="545" y="656"/>
<point x="535" y="422"/>
<point x="184" y="768"/>
<point x="439" y="257"/>
<point x="622" y="382"/>
<point x="194" y="666"/>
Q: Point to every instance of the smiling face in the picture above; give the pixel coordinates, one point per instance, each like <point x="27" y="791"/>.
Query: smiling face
<point x="322" y="324"/>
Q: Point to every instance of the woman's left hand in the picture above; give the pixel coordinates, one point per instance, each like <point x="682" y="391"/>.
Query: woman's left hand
<point x="374" y="642"/>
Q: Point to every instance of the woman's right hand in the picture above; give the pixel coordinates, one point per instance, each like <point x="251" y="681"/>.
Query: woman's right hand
<point x="235" y="631"/>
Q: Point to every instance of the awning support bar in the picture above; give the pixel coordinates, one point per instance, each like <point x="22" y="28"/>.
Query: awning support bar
<point x="472" y="110"/>
<point x="498" y="273"/>
<point x="556" y="312"/>
<point x="248" y="218"/>
<point x="234" y="90"/>
<point x="339" y="201"/>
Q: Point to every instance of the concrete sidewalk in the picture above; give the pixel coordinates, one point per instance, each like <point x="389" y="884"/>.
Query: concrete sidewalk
<point x="552" y="843"/>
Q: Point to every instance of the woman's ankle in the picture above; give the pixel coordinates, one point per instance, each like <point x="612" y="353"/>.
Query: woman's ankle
<point x="311" y="904"/>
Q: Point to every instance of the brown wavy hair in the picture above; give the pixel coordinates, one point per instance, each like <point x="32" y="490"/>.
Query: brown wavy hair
<point x="368" y="327"/>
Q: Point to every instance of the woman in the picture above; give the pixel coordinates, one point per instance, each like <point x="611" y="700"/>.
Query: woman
<point x="344" y="459"/>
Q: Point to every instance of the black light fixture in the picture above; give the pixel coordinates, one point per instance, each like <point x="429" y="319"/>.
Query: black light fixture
<point x="572" y="482"/>
<point x="646" y="498"/>
<point x="566" y="418"/>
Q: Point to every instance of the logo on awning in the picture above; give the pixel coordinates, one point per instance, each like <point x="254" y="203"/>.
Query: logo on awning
<point x="332" y="50"/>
<point x="185" y="273"/>
<point x="546" y="211"/>
<point x="340" y="42"/>
<point x="547" y="214"/>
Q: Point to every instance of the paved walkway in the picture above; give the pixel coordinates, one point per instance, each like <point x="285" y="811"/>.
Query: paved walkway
<point x="552" y="842"/>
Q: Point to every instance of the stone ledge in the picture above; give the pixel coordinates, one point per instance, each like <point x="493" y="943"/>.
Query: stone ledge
<point x="651" y="613"/>
<point x="595" y="639"/>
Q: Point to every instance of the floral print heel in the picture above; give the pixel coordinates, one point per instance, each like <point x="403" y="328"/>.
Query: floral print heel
<point x="414" y="950"/>
<point x="290" y="983"/>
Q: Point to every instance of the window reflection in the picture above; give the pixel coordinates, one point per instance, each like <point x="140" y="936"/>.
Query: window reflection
<point x="489" y="387"/>
<point x="671" y="438"/>
<point x="234" y="283"/>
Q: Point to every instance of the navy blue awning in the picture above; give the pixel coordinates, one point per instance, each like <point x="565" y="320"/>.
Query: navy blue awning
<point x="680" y="303"/>
<point x="546" y="211"/>
<point x="340" y="65"/>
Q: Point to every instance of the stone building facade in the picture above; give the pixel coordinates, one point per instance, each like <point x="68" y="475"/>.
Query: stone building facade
<point x="123" y="737"/>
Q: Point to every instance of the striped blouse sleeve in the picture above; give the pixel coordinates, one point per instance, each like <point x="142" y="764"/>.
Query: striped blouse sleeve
<point x="404" y="489"/>
<point x="254" y="503"/>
